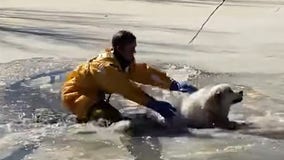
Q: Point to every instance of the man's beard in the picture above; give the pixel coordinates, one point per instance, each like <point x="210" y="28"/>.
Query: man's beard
<point x="122" y="61"/>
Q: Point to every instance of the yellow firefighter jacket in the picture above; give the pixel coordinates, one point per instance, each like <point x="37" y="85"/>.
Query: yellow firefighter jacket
<point x="87" y="84"/>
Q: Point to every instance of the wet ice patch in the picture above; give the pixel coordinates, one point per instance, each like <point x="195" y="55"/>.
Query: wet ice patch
<point x="33" y="85"/>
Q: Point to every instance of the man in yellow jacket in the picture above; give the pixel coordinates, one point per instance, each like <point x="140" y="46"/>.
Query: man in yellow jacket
<point x="115" y="71"/>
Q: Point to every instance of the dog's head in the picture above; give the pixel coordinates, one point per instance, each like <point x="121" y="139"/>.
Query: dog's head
<point x="225" y="94"/>
<point x="223" y="97"/>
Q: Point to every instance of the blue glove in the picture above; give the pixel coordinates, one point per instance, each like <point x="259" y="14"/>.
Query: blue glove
<point x="164" y="108"/>
<point x="183" y="86"/>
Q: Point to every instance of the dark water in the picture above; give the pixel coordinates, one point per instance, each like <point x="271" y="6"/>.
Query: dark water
<point x="34" y="124"/>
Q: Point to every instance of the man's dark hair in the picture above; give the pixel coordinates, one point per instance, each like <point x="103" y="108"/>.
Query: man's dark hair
<point x="123" y="37"/>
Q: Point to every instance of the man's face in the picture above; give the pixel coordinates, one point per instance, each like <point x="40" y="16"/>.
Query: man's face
<point x="127" y="51"/>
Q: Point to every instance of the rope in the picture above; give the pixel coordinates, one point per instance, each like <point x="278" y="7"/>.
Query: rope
<point x="195" y="36"/>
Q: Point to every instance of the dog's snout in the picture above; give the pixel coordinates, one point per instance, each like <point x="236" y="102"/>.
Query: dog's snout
<point x="241" y="93"/>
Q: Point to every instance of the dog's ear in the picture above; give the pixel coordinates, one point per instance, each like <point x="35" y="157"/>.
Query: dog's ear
<point x="218" y="93"/>
<point x="214" y="102"/>
<point x="213" y="106"/>
<point x="217" y="98"/>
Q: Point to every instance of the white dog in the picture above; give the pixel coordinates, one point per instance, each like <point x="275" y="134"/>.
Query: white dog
<point x="208" y="107"/>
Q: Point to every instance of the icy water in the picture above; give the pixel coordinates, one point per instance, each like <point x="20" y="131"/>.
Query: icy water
<point x="242" y="45"/>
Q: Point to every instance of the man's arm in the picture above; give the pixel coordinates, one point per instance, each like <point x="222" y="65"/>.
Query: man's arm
<point x="145" y="74"/>
<point x="142" y="73"/>
<point x="110" y="80"/>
